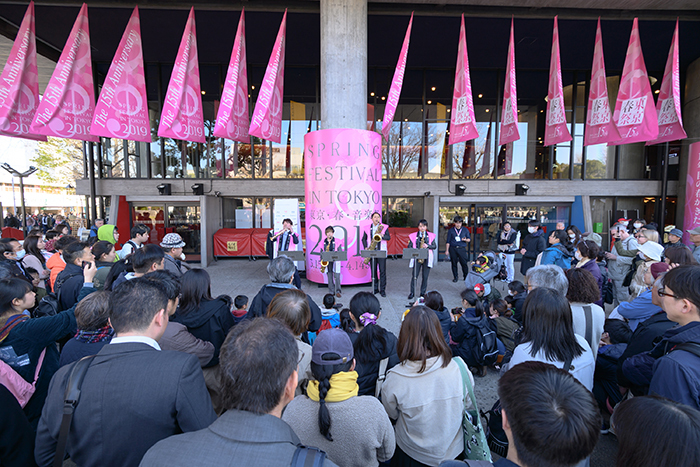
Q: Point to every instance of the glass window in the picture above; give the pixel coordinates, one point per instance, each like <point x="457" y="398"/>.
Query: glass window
<point x="112" y="158"/>
<point x="152" y="217"/>
<point x="185" y="220"/>
<point x="238" y="159"/>
<point x="550" y="215"/>
<point x="403" y="212"/>
<point x="238" y="213"/>
<point x="600" y="161"/>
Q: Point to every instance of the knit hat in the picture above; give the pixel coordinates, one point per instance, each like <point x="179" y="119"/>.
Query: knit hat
<point x="677" y="232"/>
<point x="652" y="250"/>
<point x="658" y="268"/>
<point x="172" y="240"/>
<point x="335" y="341"/>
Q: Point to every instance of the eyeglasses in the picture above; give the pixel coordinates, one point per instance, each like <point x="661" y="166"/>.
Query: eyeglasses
<point x="662" y="293"/>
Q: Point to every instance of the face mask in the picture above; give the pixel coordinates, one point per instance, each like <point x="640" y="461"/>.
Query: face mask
<point x="626" y="223"/>
<point x="20" y="254"/>
<point x="637" y="225"/>
<point x="182" y="257"/>
<point x="578" y="256"/>
<point x="532" y="229"/>
<point x="572" y="236"/>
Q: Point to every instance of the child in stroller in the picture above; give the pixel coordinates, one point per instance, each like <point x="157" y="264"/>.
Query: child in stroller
<point x="486" y="267"/>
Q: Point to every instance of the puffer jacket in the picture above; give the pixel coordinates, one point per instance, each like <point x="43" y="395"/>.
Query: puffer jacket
<point x="534" y="244"/>
<point x="557" y="255"/>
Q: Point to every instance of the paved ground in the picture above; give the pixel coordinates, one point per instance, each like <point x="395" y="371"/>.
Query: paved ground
<point x="240" y="276"/>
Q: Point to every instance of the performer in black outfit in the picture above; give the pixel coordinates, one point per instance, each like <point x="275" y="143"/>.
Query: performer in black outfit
<point x="366" y="241"/>
<point x="457" y="241"/>
<point x="285" y="238"/>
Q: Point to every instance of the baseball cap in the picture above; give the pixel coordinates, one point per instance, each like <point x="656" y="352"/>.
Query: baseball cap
<point x="478" y="288"/>
<point x="695" y="231"/>
<point x="332" y="341"/>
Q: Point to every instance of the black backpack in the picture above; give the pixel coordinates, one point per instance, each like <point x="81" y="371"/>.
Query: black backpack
<point x="495" y="436"/>
<point x="50" y="304"/>
<point x="486" y="351"/>
<point x="608" y="295"/>
<point x="502" y="273"/>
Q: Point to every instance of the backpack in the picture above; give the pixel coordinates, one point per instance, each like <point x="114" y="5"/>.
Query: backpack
<point x="50" y="304"/>
<point x="502" y="273"/>
<point x="486" y="351"/>
<point x="608" y="294"/>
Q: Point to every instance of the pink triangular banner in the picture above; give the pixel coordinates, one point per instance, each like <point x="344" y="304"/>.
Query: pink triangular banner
<point x="509" y="119"/>
<point x="267" y="115"/>
<point x="668" y="106"/>
<point x="599" y="125"/>
<point x="635" y="115"/>
<point x="232" y="120"/>
<point x="182" y="116"/>
<point x="19" y="83"/>
<point x="122" y="108"/>
<point x="462" y="121"/>
<point x="396" y="83"/>
<point x="556" y="130"/>
<point x="68" y="104"/>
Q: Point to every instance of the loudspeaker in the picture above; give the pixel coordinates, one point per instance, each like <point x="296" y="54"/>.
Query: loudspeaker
<point x="163" y="189"/>
<point x="521" y="189"/>
<point x="198" y="189"/>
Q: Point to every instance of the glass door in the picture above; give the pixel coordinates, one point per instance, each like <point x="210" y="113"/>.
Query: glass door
<point x="486" y="224"/>
<point x="185" y="220"/>
<point x="447" y="215"/>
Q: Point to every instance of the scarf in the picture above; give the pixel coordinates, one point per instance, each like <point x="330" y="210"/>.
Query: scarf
<point x="343" y="387"/>
<point x="10" y="324"/>
<point x="92" y="337"/>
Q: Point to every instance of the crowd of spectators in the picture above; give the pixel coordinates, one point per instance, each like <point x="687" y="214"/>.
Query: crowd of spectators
<point x="170" y="375"/>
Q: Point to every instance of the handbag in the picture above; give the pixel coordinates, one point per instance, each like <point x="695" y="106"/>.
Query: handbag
<point x="475" y="445"/>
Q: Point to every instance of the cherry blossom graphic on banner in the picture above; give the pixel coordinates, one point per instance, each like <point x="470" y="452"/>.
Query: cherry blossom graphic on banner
<point x="68" y="104"/>
<point x="462" y="121"/>
<point x="19" y="83"/>
<point x="635" y="115"/>
<point x="267" y="115"/>
<point x="668" y="106"/>
<point x="556" y="130"/>
<point x="232" y="119"/>
<point x="122" y="107"/>
<point x="509" y="118"/>
<point x="182" y="116"/>
<point x="599" y="125"/>
<point x="396" y="84"/>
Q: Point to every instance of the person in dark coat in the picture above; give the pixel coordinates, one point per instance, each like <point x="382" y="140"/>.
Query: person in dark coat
<point x="70" y="280"/>
<point x="31" y="336"/>
<point x="533" y="244"/>
<point x="519" y="293"/>
<point x="586" y="253"/>
<point x="281" y="271"/>
<point x="207" y="318"/>
<point x="433" y="300"/>
<point x="465" y="330"/>
<point x="94" y="331"/>
<point x="16" y="435"/>
<point x="371" y="342"/>
<point x="676" y="372"/>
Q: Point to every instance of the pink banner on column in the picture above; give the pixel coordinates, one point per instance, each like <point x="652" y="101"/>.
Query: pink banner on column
<point x="635" y="115"/>
<point x="122" y="108"/>
<point x="343" y="183"/>
<point x="68" y="104"/>
<point x="599" y="125"/>
<point x="19" y="83"/>
<point x="232" y="120"/>
<point x="396" y="83"/>
<point x="182" y="116"/>
<point x="691" y="219"/>
<point x="556" y="130"/>
<point x="463" y="121"/>
<point x="509" y="118"/>
<point x="668" y="106"/>
<point x="267" y="115"/>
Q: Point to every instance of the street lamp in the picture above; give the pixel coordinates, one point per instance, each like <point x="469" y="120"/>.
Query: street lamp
<point x="21" y="176"/>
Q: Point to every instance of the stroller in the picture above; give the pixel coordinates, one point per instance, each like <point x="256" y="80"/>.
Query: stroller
<point x="487" y="266"/>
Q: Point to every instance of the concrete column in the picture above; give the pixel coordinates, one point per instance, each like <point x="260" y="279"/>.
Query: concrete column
<point x="691" y="124"/>
<point x="344" y="64"/>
